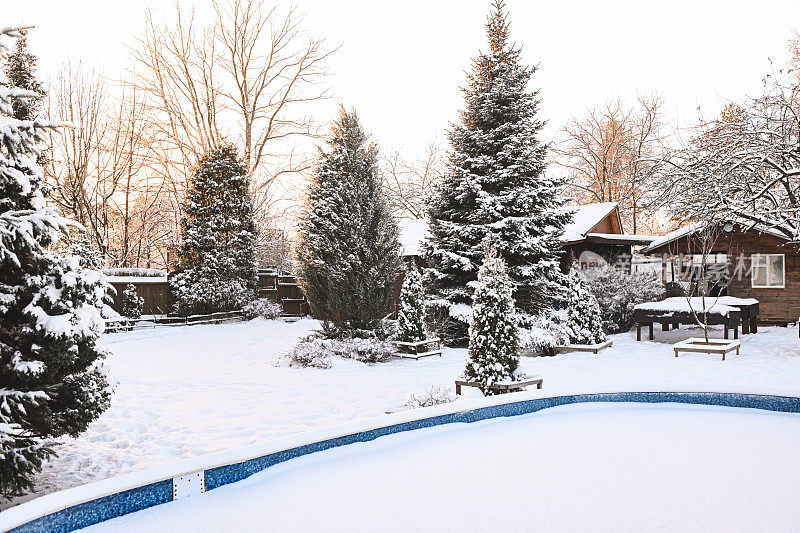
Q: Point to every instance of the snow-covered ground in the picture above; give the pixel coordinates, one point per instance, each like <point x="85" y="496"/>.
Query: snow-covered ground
<point x="600" y="467"/>
<point x="188" y="391"/>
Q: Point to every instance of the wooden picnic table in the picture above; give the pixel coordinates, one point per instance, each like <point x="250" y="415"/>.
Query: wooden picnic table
<point x="725" y="310"/>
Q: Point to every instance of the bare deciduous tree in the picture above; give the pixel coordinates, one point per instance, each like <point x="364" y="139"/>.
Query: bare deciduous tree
<point x="97" y="168"/>
<point x="705" y="279"/>
<point x="611" y="154"/>
<point x="743" y="166"/>
<point x="408" y="184"/>
<point x="245" y="77"/>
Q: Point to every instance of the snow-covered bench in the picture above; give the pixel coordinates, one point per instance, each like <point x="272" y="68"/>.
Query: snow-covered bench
<point x="715" y="346"/>
<point x="503" y="386"/>
<point x="412" y="349"/>
<point x="593" y="348"/>
<point x="678" y="310"/>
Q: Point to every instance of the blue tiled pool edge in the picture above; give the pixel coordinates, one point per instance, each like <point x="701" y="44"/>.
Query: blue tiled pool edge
<point x="138" y="498"/>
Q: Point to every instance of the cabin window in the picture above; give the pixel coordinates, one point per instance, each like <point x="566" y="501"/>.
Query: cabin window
<point x="768" y="271"/>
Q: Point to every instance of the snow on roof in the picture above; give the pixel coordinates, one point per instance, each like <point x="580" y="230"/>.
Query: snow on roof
<point x="698" y="226"/>
<point x="618" y="238"/>
<point x="675" y="235"/>
<point x="585" y="218"/>
<point x="412" y="232"/>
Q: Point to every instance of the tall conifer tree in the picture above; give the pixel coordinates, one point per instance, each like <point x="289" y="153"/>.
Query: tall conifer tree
<point x="218" y="270"/>
<point x="51" y="379"/>
<point x="20" y="70"/>
<point x="495" y="191"/>
<point x="349" y="252"/>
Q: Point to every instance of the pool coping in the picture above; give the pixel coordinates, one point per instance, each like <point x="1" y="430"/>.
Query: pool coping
<point x="97" y="502"/>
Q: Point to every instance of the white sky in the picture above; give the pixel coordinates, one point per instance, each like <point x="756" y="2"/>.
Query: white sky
<point x="402" y="62"/>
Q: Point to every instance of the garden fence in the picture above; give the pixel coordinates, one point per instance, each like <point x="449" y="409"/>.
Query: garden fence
<point x="128" y="324"/>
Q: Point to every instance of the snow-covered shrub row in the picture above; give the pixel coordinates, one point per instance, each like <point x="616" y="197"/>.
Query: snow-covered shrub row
<point x="547" y="330"/>
<point x="310" y="353"/>
<point x="364" y="350"/>
<point x="262" y="308"/>
<point x="317" y="352"/>
<point x="617" y="293"/>
<point x="135" y="272"/>
<point x="432" y="396"/>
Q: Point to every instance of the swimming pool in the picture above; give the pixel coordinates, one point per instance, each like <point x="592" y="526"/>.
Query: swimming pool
<point x="589" y="466"/>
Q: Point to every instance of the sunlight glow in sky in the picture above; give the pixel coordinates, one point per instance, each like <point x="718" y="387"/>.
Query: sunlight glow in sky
<point x="401" y="63"/>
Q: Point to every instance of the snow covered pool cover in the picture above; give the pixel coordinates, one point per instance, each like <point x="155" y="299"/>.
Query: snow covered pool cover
<point x="121" y="495"/>
<point x="574" y="467"/>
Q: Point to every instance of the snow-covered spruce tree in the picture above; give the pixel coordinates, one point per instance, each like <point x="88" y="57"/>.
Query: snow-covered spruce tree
<point x="51" y="380"/>
<point x="78" y="243"/>
<point x="217" y="269"/>
<point x="584" y="320"/>
<point x="495" y="191"/>
<point x="348" y="253"/>
<point x="131" y="302"/>
<point x="493" y="331"/>
<point x="411" y="317"/>
<point x="20" y="71"/>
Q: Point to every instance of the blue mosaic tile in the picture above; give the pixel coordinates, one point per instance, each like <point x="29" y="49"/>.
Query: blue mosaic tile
<point x="101" y="509"/>
<point x="133" y="500"/>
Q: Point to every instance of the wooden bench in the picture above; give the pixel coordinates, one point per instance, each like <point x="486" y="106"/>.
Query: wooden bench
<point x="501" y="386"/>
<point x="412" y="348"/>
<point x="593" y="348"/>
<point x="714" y="346"/>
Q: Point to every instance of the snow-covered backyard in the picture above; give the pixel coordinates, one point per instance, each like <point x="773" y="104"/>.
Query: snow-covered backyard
<point x="600" y="467"/>
<point x="188" y="391"/>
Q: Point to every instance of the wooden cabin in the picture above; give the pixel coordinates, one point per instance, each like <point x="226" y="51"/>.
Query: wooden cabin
<point x="596" y="234"/>
<point x="759" y="263"/>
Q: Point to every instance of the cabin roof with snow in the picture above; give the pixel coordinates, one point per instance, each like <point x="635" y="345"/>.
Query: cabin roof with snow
<point x="598" y="223"/>
<point x="657" y="246"/>
<point x="599" y="218"/>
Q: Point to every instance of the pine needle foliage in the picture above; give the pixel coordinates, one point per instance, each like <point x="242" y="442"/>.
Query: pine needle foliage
<point x="52" y="382"/>
<point x="348" y="253"/>
<point x="584" y="320"/>
<point x="218" y="269"/>
<point x="493" y="354"/>
<point x="495" y="191"/>
<point x="411" y="316"/>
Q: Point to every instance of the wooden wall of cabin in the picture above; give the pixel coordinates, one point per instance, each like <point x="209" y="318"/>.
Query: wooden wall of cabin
<point x="777" y="305"/>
